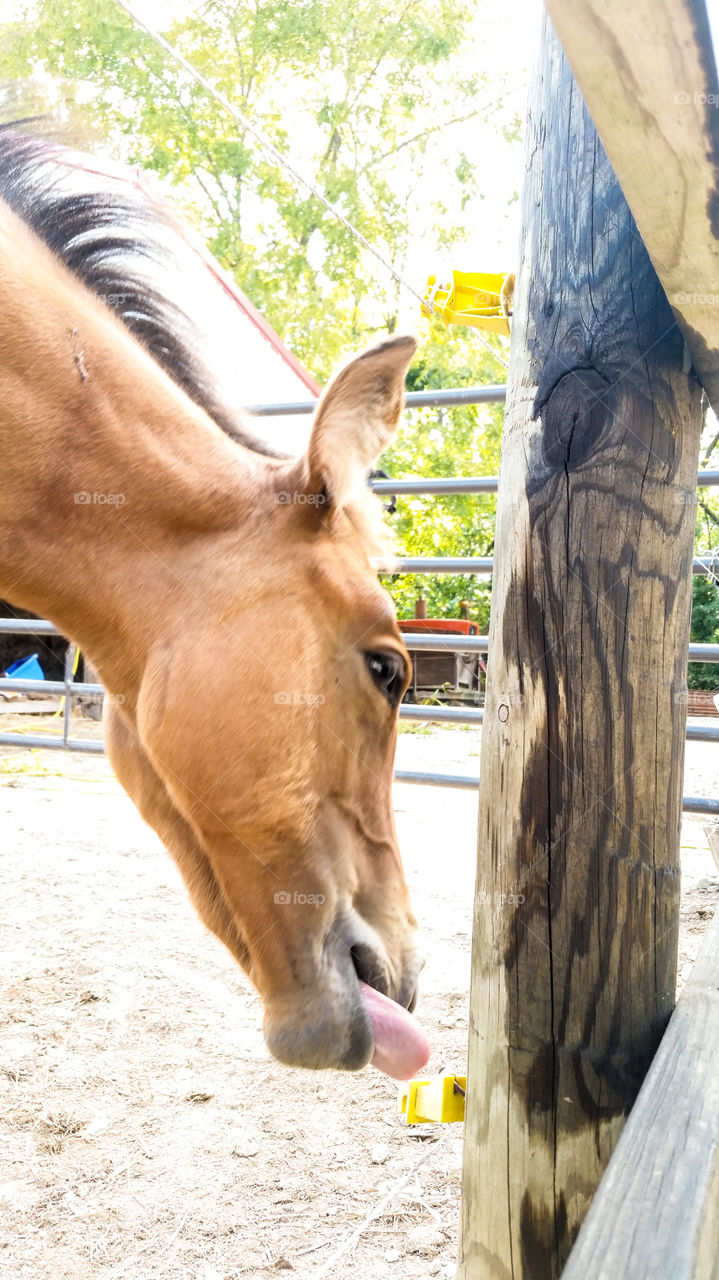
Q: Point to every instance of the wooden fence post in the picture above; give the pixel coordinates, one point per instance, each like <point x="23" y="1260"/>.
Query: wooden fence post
<point x="577" y="898"/>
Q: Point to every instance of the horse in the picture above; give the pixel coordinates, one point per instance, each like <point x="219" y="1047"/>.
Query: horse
<point x="226" y="595"/>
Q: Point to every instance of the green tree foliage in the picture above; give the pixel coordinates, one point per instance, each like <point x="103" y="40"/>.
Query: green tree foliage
<point x="705" y="591"/>
<point x="361" y="97"/>
<point x="704" y="630"/>
<point x="447" y="442"/>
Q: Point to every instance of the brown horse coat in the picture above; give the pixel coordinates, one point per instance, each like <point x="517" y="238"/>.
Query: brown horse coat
<point x="231" y="607"/>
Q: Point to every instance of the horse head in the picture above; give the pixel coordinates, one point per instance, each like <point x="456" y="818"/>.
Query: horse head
<point x="228" y="599"/>
<point x="281" y="772"/>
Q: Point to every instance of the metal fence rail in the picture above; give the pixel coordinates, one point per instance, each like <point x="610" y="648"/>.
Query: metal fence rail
<point x="27" y="627"/>
<point x="468" y="782"/>
<point x="480" y="644"/>
<point x="484" y="565"/>
<point x="441" y="715"/>
<point x="49" y="743"/>
<point x="413" y="400"/>
<point x="450" y="485"/>
<point x="480" y="565"/>
<point x="51" y="687"/>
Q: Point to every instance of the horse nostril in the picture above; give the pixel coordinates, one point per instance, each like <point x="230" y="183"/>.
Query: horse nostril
<point x="410" y="988"/>
<point x="369" y="967"/>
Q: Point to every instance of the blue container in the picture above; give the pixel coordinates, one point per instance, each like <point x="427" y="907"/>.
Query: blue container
<point x="26" y="669"/>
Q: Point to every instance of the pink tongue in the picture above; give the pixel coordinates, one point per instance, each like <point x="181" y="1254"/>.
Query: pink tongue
<point x="401" y="1048"/>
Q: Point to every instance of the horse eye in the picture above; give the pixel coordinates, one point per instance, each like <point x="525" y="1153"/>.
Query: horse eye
<point x="389" y="673"/>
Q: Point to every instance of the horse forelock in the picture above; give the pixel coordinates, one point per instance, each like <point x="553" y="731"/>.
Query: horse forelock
<point x="125" y="244"/>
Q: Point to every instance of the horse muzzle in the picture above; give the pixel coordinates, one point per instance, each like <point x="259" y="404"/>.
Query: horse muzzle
<point x="353" y="1011"/>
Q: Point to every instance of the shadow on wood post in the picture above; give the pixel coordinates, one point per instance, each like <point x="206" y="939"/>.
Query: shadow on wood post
<point x="577" y="899"/>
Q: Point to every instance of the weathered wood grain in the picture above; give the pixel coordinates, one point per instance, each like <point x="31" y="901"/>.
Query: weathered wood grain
<point x="657" y="1210"/>
<point x="647" y="72"/>
<point x="576" y="910"/>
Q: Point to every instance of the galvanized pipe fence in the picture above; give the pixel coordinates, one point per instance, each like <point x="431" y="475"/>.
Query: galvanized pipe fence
<point x="460" y="565"/>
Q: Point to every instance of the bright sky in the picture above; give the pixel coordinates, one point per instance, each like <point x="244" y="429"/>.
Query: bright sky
<point x="508" y="43"/>
<point x="512" y="40"/>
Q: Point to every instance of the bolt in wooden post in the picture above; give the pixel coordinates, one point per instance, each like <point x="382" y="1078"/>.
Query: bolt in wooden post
<point x="577" y="895"/>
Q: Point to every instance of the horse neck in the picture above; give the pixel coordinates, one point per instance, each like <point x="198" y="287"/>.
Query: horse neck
<point x="112" y="478"/>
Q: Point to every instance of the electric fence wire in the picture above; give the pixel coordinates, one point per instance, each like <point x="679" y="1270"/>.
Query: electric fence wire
<point x="712" y="569"/>
<point x="282" y="160"/>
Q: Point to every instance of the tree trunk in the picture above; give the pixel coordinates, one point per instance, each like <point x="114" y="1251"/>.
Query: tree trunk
<point x="577" y="901"/>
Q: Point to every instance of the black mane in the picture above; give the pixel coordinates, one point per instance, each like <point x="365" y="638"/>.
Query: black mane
<point x="114" y="238"/>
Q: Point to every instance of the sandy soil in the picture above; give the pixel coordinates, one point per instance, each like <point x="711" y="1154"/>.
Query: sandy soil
<point x="145" y="1132"/>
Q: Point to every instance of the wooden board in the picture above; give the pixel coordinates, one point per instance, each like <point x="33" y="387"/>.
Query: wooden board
<point x="656" y="1212"/>
<point x="648" y="75"/>
<point x="577" y="902"/>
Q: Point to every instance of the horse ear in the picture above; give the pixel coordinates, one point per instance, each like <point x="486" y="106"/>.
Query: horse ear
<point x="356" y="419"/>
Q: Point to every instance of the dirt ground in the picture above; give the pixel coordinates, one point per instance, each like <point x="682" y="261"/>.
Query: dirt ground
<point x="144" y="1130"/>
